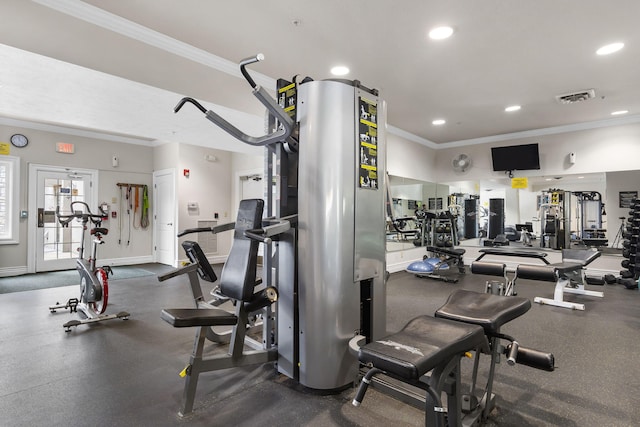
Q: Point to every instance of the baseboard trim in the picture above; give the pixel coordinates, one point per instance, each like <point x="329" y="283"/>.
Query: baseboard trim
<point x="13" y="271"/>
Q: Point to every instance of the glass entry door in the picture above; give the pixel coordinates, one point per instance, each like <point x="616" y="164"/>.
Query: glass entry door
<point x="57" y="246"/>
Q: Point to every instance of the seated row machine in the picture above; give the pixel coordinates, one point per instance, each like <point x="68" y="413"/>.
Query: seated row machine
<point x="237" y="283"/>
<point x="468" y="321"/>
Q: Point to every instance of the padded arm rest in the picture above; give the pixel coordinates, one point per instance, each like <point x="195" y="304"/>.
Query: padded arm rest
<point x="188" y="317"/>
<point x="488" y="268"/>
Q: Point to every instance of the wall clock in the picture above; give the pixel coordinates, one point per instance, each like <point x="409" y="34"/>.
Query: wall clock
<point x="19" y="140"/>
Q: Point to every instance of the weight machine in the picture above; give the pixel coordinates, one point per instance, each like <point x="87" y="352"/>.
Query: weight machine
<point x="325" y="153"/>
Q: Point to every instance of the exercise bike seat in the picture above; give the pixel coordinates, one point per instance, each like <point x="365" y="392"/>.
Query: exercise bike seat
<point x="423" y="344"/>
<point x="486" y="310"/>
<point x="188" y="317"/>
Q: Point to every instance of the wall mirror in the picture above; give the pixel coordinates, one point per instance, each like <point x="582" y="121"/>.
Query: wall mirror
<point x="411" y="202"/>
<point x="528" y="208"/>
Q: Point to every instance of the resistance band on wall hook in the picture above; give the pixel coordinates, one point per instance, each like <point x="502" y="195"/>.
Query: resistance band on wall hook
<point x="130" y="196"/>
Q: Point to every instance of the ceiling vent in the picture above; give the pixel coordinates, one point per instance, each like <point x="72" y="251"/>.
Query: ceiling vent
<point x="571" y="98"/>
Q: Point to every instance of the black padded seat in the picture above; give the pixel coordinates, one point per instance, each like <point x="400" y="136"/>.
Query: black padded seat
<point x="486" y="310"/>
<point x="423" y="344"/>
<point x="188" y="317"/>
<point x="447" y="251"/>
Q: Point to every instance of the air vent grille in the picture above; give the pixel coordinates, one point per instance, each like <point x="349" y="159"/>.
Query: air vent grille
<point x="572" y="98"/>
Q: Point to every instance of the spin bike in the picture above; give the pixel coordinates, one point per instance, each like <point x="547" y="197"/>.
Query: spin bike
<point x="94" y="286"/>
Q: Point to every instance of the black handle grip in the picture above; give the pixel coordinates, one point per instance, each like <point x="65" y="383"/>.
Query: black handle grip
<point x="533" y="358"/>
<point x="243" y="64"/>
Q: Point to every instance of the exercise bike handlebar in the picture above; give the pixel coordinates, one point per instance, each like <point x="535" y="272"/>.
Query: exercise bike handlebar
<point x="283" y="132"/>
<point x="65" y="219"/>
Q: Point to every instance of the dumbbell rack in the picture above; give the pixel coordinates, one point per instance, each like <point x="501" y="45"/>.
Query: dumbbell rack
<point x="631" y="233"/>
<point x="443" y="235"/>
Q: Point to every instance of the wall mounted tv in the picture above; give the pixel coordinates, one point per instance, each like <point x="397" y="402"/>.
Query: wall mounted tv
<point x="515" y="157"/>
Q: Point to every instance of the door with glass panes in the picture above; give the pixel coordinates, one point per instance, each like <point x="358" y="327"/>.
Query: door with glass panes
<point x="57" y="246"/>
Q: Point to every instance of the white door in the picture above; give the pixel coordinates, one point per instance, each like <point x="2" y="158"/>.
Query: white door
<point x="56" y="247"/>
<point x="164" y="225"/>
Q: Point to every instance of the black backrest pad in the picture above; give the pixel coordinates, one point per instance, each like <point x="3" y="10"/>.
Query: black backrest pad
<point x="196" y="256"/>
<point x="239" y="272"/>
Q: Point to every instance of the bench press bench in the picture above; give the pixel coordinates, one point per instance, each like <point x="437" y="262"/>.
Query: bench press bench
<point x="522" y="253"/>
<point x="569" y="277"/>
<point x="468" y="321"/>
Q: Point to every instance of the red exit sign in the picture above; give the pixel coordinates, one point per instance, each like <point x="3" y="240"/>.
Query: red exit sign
<point x="65" y="147"/>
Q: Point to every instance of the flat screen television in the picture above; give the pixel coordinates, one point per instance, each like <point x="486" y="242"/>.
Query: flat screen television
<point x="515" y="157"/>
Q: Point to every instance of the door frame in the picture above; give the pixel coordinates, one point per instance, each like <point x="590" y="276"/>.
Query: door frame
<point x="32" y="203"/>
<point x="172" y="173"/>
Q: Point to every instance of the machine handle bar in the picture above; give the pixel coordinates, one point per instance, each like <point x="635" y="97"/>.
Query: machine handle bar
<point x="65" y="219"/>
<point x="284" y="131"/>
<point x="252" y="59"/>
<point x="215" y="229"/>
<point x="271" y="229"/>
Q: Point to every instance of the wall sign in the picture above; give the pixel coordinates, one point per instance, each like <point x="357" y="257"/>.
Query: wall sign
<point x="368" y="143"/>
<point x="626" y="197"/>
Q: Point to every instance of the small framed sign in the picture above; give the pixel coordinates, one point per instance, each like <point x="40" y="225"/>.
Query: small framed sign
<point x="626" y="197"/>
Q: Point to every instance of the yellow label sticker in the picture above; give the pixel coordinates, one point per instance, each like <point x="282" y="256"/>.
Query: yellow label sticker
<point x="5" y="148"/>
<point x="522" y="182"/>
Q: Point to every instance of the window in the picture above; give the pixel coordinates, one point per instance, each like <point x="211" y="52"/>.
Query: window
<point x="9" y="181"/>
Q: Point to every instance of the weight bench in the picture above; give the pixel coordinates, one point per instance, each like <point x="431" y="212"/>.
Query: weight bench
<point x="449" y="256"/>
<point x="522" y="253"/>
<point x="569" y="277"/>
<point x="468" y="321"/>
<point x="238" y="283"/>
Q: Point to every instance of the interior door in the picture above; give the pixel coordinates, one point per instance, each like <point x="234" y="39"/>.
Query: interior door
<point x="164" y="201"/>
<point x="56" y="247"/>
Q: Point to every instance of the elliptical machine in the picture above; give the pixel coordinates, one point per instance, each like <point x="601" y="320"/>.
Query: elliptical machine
<point x="94" y="283"/>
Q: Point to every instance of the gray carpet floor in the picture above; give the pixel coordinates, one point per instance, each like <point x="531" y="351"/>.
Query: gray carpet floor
<point x="125" y="373"/>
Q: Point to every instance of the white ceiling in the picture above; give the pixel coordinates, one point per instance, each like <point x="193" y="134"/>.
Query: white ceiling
<point x="503" y="52"/>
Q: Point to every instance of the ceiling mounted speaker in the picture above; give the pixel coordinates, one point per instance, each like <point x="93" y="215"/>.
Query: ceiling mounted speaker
<point x="461" y="163"/>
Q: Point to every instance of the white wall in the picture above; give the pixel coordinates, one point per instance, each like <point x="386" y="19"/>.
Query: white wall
<point x="614" y="148"/>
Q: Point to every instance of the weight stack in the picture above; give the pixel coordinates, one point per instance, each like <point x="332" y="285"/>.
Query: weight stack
<point x="496" y="217"/>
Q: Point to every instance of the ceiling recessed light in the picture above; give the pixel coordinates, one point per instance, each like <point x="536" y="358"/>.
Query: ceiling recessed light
<point x="620" y="112"/>
<point x="440" y="33"/>
<point x="610" y="48"/>
<point x="512" y="108"/>
<point x="438" y="122"/>
<point x="340" y="70"/>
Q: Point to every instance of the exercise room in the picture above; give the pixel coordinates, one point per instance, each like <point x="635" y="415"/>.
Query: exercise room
<point x="319" y="213"/>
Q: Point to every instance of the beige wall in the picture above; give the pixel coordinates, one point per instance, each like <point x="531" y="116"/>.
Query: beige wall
<point x="135" y="166"/>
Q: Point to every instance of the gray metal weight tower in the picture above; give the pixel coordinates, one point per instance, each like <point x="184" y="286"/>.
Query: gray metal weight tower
<point x="325" y="165"/>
